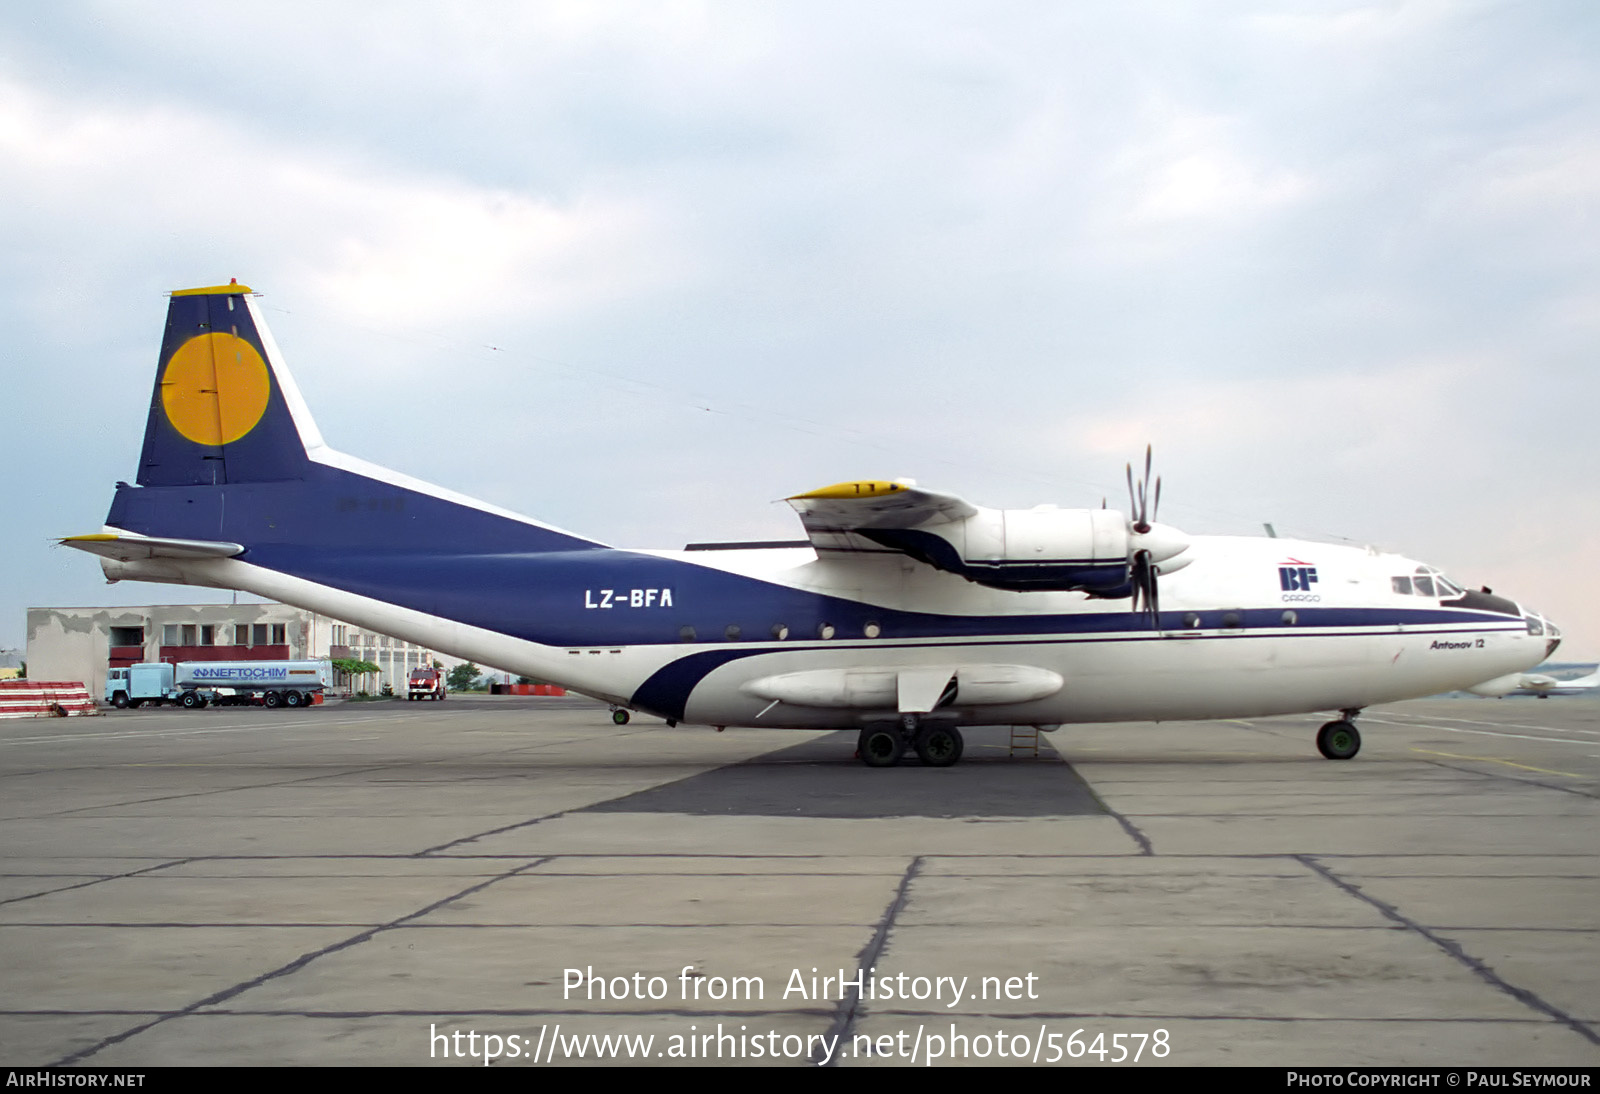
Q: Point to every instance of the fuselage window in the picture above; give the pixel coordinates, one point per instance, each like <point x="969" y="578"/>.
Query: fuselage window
<point x="1402" y="585"/>
<point x="732" y="633"/>
<point x="780" y="631"/>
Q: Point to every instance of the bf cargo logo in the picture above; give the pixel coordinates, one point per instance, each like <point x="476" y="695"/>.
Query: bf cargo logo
<point x="1295" y="578"/>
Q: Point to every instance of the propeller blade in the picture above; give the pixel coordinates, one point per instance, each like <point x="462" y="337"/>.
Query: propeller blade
<point x="1144" y="502"/>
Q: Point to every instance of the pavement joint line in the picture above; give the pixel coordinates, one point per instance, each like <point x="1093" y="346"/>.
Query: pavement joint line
<point x="1133" y="831"/>
<point x="1576" y="791"/>
<point x="96" y="881"/>
<point x="1456" y="951"/>
<point x="850" y="1008"/>
<point x="1478" y="732"/>
<point x="196" y="793"/>
<point x="291" y="967"/>
<point x="1497" y="760"/>
<point x="1476" y="721"/>
<point x="432" y="851"/>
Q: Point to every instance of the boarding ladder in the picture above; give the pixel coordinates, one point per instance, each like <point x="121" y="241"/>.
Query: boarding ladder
<point x="1025" y="741"/>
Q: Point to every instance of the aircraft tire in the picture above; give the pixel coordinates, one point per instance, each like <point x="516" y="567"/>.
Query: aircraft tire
<point x="1339" y="740"/>
<point x="939" y="746"/>
<point x="880" y="746"/>
<point x="273" y="700"/>
<point x="620" y="717"/>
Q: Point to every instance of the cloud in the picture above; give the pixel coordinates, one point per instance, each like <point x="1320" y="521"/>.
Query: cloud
<point x="376" y="244"/>
<point x="1193" y="170"/>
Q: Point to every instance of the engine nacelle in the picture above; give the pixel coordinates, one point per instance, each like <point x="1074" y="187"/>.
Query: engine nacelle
<point x="1045" y="548"/>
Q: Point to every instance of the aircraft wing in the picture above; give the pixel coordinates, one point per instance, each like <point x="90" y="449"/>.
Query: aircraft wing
<point x="126" y="548"/>
<point x="832" y="514"/>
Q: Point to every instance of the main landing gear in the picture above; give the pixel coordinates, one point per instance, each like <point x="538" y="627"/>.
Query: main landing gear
<point x="1340" y="740"/>
<point x="935" y="745"/>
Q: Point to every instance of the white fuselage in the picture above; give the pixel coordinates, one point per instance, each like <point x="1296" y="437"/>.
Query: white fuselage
<point x="1248" y="641"/>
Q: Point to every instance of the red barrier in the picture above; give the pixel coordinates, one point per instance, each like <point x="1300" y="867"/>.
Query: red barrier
<point x="44" y="699"/>
<point x="526" y="689"/>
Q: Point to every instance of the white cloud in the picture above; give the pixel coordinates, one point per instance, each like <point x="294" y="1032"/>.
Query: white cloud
<point x="1193" y="168"/>
<point x="378" y="245"/>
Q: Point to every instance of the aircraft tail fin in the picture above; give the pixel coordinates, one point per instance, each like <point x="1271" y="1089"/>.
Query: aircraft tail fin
<point x="232" y="461"/>
<point x="223" y="411"/>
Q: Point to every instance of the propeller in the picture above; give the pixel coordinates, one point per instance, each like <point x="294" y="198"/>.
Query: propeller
<point x="1143" y="515"/>
<point x="1142" y="565"/>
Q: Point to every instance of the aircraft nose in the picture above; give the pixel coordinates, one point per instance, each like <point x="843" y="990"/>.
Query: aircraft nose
<point x="1539" y="625"/>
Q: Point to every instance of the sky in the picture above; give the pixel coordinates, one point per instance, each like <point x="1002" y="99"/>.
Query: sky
<point x="641" y="270"/>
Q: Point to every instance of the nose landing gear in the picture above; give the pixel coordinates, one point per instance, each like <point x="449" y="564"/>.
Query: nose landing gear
<point x="1340" y="740"/>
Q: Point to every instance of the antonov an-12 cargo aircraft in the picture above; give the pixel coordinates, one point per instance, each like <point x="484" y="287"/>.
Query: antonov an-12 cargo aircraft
<point x="906" y="614"/>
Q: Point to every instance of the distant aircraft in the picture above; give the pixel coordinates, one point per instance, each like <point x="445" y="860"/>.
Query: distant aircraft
<point x="906" y="614"/>
<point x="1537" y="683"/>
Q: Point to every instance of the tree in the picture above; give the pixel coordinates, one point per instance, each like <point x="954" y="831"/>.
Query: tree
<point x="352" y="667"/>
<point x="463" y="676"/>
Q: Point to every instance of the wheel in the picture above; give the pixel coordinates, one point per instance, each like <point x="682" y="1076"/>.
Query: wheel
<point x="620" y="717"/>
<point x="120" y="700"/>
<point x="274" y="700"/>
<point x="190" y="700"/>
<point x="939" y="746"/>
<point x="293" y="699"/>
<point x="1339" y="740"/>
<point x="880" y="746"/>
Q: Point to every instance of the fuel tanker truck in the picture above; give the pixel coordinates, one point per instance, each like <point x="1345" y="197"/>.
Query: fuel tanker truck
<point x="196" y="684"/>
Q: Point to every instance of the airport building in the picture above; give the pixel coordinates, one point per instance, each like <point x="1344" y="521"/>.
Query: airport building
<point x="83" y="643"/>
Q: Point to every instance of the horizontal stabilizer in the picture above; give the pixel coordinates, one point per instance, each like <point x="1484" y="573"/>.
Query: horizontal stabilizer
<point x="138" y="548"/>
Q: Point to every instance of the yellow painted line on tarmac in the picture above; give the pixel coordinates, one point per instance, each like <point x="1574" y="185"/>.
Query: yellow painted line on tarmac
<point x="1493" y="760"/>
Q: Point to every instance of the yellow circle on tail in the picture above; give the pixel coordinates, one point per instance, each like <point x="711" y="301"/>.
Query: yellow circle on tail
<point x="215" y="388"/>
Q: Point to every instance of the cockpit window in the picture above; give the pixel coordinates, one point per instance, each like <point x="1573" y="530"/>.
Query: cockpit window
<point x="1535" y="625"/>
<point x="1424" y="585"/>
<point x="1448" y="587"/>
<point x="1402" y="585"/>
